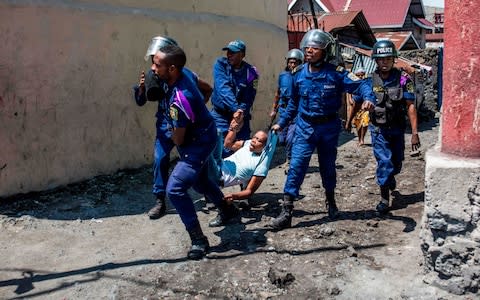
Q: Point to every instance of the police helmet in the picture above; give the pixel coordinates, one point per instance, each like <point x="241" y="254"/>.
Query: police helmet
<point x="295" y="54"/>
<point x="158" y="43"/>
<point x="384" y="48"/>
<point x="317" y="38"/>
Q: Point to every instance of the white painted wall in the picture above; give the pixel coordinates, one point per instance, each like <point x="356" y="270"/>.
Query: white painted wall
<point x="67" y="68"/>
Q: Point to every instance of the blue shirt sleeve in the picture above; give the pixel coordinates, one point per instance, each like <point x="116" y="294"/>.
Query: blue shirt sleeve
<point x="247" y="96"/>
<point x="361" y="87"/>
<point x="139" y="99"/>
<point x="178" y="117"/>
<point x="223" y="83"/>
<point x="292" y="104"/>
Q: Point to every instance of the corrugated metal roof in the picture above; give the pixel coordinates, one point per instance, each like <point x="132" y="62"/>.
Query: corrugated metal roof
<point x="399" y="38"/>
<point x="337" y="19"/>
<point x="382" y="13"/>
<point x="379" y="13"/>
<point x="331" y="21"/>
<point x="426" y="22"/>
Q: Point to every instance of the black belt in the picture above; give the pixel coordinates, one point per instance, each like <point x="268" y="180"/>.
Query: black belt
<point x="319" y="119"/>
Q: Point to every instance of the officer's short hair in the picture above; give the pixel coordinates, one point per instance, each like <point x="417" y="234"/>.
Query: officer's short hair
<point x="174" y="55"/>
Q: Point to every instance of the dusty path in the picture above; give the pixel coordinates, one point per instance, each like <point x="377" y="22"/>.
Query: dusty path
<point x="93" y="241"/>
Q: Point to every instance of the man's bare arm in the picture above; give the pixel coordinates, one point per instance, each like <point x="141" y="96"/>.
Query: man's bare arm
<point x="205" y="88"/>
<point x="178" y="135"/>
<point x="230" y="141"/>
<point x="412" y="116"/>
<point x="252" y="186"/>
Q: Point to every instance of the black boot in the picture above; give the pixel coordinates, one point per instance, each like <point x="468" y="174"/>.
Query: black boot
<point x="226" y="213"/>
<point x="200" y="244"/>
<point x="331" y="205"/>
<point x="382" y="206"/>
<point x="284" y="220"/>
<point x="159" y="209"/>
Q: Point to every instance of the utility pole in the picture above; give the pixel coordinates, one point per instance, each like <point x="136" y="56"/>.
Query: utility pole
<point x="312" y="9"/>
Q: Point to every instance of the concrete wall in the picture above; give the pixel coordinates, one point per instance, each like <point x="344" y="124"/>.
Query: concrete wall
<point x="450" y="230"/>
<point x="67" y="68"/>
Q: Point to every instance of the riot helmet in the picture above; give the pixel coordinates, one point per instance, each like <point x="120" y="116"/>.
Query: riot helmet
<point x="384" y="48"/>
<point x="317" y="38"/>
<point x="295" y="54"/>
<point x="158" y="43"/>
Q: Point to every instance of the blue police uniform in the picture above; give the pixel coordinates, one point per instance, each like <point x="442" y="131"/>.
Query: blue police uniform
<point x="233" y="90"/>
<point x="285" y="80"/>
<point x="387" y="125"/>
<point x="163" y="140"/>
<point x="317" y="97"/>
<point x="187" y="110"/>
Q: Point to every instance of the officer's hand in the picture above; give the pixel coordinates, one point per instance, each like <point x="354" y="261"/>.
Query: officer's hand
<point x="415" y="142"/>
<point x="141" y="83"/>
<point x="238" y="115"/>
<point x="368" y="106"/>
<point x="276" y="128"/>
<point x="235" y="126"/>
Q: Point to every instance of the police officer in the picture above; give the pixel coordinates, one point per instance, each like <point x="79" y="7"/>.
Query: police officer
<point x="194" y="134"/>
<point x="395" y="96"/>
<point x="293" y="59"/>
<point x="317" y="97"/>
<point x="152" y="88"/>
<point x="234" y="89"/>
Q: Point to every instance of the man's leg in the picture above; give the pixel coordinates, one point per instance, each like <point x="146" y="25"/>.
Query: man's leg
<point x="161" y="164"/>
<point x="327" y="155"/>
<point x="385" y="168"/>
<point x="301" y="153"/>
<point x="183" y="176"/>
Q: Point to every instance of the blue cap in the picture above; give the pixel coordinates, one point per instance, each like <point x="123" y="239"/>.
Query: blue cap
<point x="235" y="46"/>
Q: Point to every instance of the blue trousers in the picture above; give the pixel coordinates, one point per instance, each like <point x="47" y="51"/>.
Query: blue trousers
<point x="192" y="172"/>
<point x="388" y="148"/>
<point x="324" y="138"/>
<point x="161" y="163"/>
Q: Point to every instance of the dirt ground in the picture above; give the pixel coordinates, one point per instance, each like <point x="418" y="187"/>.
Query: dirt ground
<point x="93" y="240"/>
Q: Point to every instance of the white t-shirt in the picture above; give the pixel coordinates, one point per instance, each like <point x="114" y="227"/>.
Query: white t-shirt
<point x="239" y="167"/>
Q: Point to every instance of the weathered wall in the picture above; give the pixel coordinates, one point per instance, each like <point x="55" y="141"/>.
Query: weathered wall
<point x="67" y="68"/>
<point x="450" y="231"/>
<point x="461" y="101"/>
<point x="450" y="225"/>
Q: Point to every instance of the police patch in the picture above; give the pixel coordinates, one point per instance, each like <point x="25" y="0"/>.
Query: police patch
<point x="353" y="77"/>
<point x="173" y="113"/>
<point x="255" y="84"/>
<point x="410" y="87"/>
<point x="378" y="89"/>
<point x="340" y="69"/>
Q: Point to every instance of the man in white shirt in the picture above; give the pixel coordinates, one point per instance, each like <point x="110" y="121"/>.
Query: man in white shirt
<point x="248" y="166"/>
